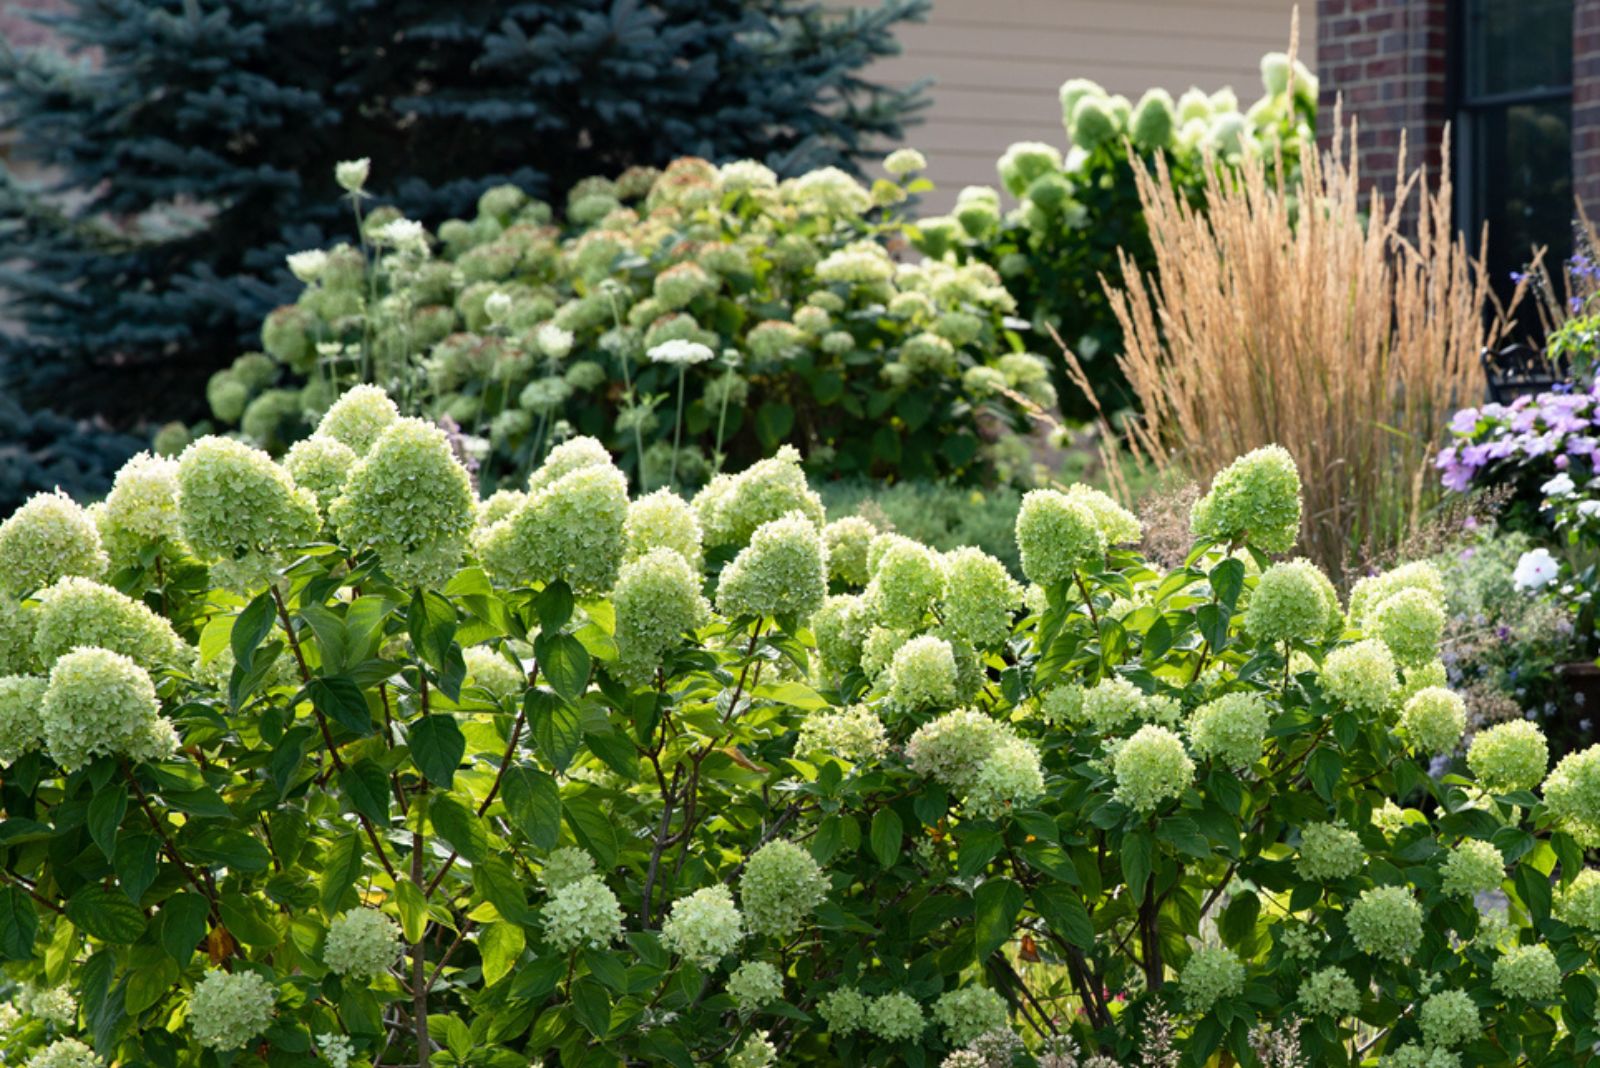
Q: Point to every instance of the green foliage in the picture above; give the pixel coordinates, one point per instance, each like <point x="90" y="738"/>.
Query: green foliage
<point x="460" y="818"/>
<point x="1078" y="220"/>
<point x="197" y="148"/>
<point x="689" y="318"/>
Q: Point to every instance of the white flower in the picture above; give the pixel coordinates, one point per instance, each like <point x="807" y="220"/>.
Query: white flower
<point x="555" y="342"/>
<point x="307" y="266"/>
<point x="496" y="305"/>
<point x="1589" y="509"/>
<point x="352" y="174"/>
<point x="1559" y="486"/>
<point x="1536" y="570"/>
<point x="680" y="351"/>
<point x="404" y="234"/>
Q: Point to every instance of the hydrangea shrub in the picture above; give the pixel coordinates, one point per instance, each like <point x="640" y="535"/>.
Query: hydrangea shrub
<point x="1055" y="226"/>
<point x="694" y="317"/>
<point x="611" y="781"/>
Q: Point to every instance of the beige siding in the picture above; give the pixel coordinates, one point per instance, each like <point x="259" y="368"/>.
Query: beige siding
<point x="996" y="66"/>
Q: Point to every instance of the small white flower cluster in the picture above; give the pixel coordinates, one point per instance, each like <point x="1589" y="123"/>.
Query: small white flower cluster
<point x="980" y="758"/>
<point x="228" y="1009"/>
<point x="362" y="943"/>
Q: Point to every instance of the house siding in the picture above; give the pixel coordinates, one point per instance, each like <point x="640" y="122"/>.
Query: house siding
<point x="996" y="65"/>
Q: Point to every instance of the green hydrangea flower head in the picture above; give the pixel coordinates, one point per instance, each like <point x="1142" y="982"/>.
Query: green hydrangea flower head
<point x="1386" y="921"/>
<point x="1329" y="992"/>
<point x="907" y="580"/>
<point x="780" y="887"/>
<point x="663" y="520"/>
<point x="1024" y="162"/>
<point x="228" y="1009"/>
<point x="843" y="1009"/>
<point x="571" y="455"/>
<point x="1154" y="120"/>
<point x="895" y="1017"/>
<point x="1255" y="500"/>
<point x="731" y="509"/>
<point x="1210" y="974"/>
<point x="1434" y="720"/>
<point x="1094" y="123"/>
<point x="783" y="571"/>
<point x="571" y="529"/>
<point x="969" y="1011"/>
<point x="847" y="540"/>
<point x="1117" y="525"/>
<point x="362" y="943"/>
<point x="1057" y="537"/>
<point x="239" y="509"/>
<point x="854" y="735"/>
<point x="490" y="670"/>
<point x="953" y="748"/>
<point x="1151" y="768"/>
<point x="21" y="729"/>
<point x="1230" y="729"/>
<point x="1509" y="756"/>
<point x="1372" y="591"/>
<point x="1529" y="973"/>
<point x="703" y="927"/>
<point x="1572" y="794"/>
<point x="879" y="646"/>
<point x="1074" y="90"/>
<point x="322" y="465"/>
<point x="1578" y="904"/>
<point x="66" y="1053"/>
<point x="1360" y="676"/>
<point x="840" y="628"/>
<point x="1419" y="677"/>
<point x="1293" y="601"/>
<point x="1063" y="705"/>
<point x="16" y="636"/>
<point x="1410" y="623"/>
<point x="1473" y="867"/>
<point x="1112" y="703"/>
<point x="1330" y="851"/>
<point x="1449" y="1018"/>
<point x="48" y="538"/>
<point x="141" y="511"/>
<point x="922" y="674"/>
<point x="980" y="597"/>
<point x="78" y="611"/>
<point x="754" y="1052"/>
<point x="409" y="500"/>
<point x="100" y="703"/>
<point x="1011" y="778"/>
<point x="358" y="417"/>
<point x="755" y="984"/>
<point x="657" y="598"/>
<point x="1412" y="1055"/>
<point x="583" y="912"/>
<point x="563" y="867"/>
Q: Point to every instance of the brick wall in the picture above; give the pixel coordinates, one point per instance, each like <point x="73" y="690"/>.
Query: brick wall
<point x="1586" y="106"/>
<point x="1388" y="61"/>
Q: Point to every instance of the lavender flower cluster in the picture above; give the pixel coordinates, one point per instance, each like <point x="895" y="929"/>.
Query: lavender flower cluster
<point x="1559" y="429"/>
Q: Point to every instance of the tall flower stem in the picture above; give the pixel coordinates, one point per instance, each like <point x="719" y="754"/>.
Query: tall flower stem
<point x="677" y="427"/>
<point x="627" y="387"/>
<point x="722" y="415"/>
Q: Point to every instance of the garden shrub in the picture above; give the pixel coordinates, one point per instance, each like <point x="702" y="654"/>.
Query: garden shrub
<point x="187" y="187"/>
<point x="576" y="799"/>
<point x="689" y="317"/>
<point x="1076" y="213"/>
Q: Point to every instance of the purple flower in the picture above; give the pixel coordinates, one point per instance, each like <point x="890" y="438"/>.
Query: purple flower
<point x="1465" y="421"/>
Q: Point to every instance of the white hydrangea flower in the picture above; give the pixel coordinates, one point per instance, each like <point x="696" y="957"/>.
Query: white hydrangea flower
<point x="362" y="943"/>
<point x="352" y="174"/>
<point x="703" y="927"/>
<point x="227" y="1010"/>
<point x="680" y="352"/>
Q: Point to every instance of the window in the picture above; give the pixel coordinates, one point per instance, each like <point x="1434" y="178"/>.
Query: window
<point x="1514" y="128"/>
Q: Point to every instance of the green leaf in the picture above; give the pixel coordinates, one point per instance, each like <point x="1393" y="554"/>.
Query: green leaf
<point x="534" y="802"/>
<point x="235" y="849"/>
<point x="181" y="923"/>
<point x="594" y="829"/>
<point x="1324" y="769"/>
<point x="1136" y="855"/>
<point x="1534" y="890"/>
<point x="1064" y="911"/>
<point x="1239" y="919"/>
<point x="340" y="699"/>
<point x="773" y="423"/>
<point x="554" y="726"/>
<point x="19" y="923"/>
<point x="564" y="662"/>
<point x="248" y="920"/>
<point x="437" y="746"/>
<point x="366" y="790"/>
<point x="341" y="867"/>
<point x="106" y="809"/>
<point x="554" y="606"/>
<point x="135" y="863"/>
<point x="147" y="985"/>
<point x="591" y="1005"/>
<point x="500" y="944"/>
<point x="886" y="835"/>
<point x="431" y="622"/>
<point x="1227" y="580"/>
<point x="995" y="906"/>
<point x="251" y="628"/>
<point x="413" y="910"/>
<point x="460" y="826"/>
<point x="493" y="878"/>
<point x="106" y="914"/>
